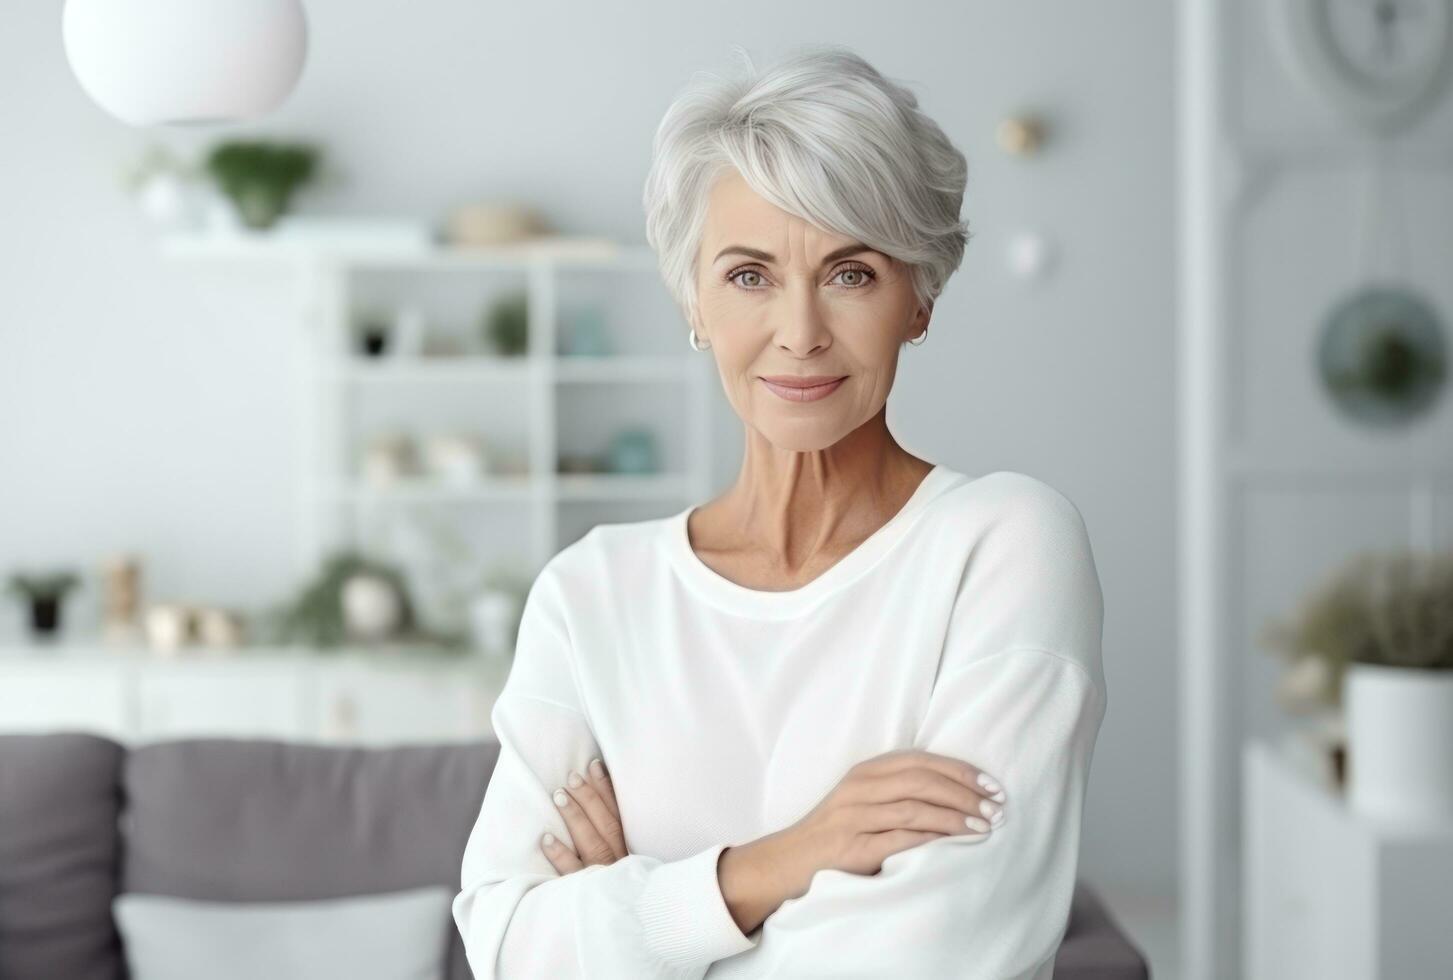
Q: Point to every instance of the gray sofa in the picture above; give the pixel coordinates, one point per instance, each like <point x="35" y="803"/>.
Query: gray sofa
<point x="83" y="819"/>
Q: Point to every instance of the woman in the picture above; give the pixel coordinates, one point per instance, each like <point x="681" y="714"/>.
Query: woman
<point x="839" y="720"/>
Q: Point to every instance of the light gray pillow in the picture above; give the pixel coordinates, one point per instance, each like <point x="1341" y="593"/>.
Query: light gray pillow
<point x="400" y="935"/>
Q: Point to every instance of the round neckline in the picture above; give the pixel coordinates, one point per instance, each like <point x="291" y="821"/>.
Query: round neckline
<point x="738" y="598"/>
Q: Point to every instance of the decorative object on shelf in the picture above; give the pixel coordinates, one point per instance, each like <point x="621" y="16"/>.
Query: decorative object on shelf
<point x="410" y="328"/>
<point x="390" y="458"/>
<point x="634" y="451"/>
<point x="46" y="595"/>
<point x="584" y="333"/>
<point x="439" y="342"/>
<point x="506" y="324"/>
<point x="172" y="627"/>
<point x="219" y="629"/>
<point x="169" y="626"/>
<point x="373" y="328"/>
<point x="121" y="600"/>
<point x="260" y="177"/>
<point x="164" y="187"/>
<point x="1380" y="65"/>
<point x="171" y="62"/>
<point x="352" y="598"/>
<point x="372" y="606"/>
<point x="456" y="459"/>
<point x="1382" y="357"/>
<point x="494" y="621"/>
<point x="485" y="224"/>
<point x="583" y="463"/>
<point x="1382" y="624"/>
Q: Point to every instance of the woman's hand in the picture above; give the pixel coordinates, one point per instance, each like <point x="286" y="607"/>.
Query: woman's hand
<point x="588" y="805"/>
<point x="892" y="802"/>
<point x="883" y="805"/>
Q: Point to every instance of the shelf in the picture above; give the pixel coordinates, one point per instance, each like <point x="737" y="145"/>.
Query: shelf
<point x="566" y="369"/>
<point x="340" y="242"/>
<point x="566" y="486"/>
<point x="620" y="486"/>
<point x="497" y="488"/>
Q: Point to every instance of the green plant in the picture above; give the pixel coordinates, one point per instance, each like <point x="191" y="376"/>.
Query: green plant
<point x="315" y="616"/>
<point x="1392" y="608"/>
<point x="507" y="324"/>
<point x="260" y="176"/>
<point x="42" y="587"/>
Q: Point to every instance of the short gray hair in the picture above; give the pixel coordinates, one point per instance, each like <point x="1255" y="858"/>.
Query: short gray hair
<point x="822" y="135"/>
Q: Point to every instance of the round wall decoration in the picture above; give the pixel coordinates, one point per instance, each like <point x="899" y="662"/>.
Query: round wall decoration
<point x="1380" y="63"/>
<point x="1383" y="355"/>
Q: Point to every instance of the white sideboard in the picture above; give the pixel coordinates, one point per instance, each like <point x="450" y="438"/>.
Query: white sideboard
<point x="1331" y="895"/>
<point x="346" y="697"/>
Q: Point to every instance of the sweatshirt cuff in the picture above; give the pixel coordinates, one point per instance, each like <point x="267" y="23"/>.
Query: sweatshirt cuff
<point x="685" y="919"/>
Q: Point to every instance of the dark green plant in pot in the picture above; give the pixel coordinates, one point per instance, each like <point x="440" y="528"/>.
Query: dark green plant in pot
<point x="260" y="176"/>
<point x="45" y="593"/>
<point x="507" y="324"/>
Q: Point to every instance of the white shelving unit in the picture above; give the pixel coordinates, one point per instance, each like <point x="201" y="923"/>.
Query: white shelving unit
<point x="333" y="273"/>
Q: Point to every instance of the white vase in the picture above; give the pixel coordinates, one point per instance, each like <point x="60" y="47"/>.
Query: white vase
<point x="1399" y="743"/>
<point x="372" y="608"/>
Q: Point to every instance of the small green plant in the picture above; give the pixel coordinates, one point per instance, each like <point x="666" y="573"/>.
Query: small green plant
<point x="34" y="587"/>
<point x="1393" y="608"/>
<point x="45" y="594"/>
<point x="260" y="176"/>
<point x="315" y="617"/>
<point x="507" y="324"/>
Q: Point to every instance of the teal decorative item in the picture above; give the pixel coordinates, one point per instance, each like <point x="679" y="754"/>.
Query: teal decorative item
<point x="633" y="451"/>
<point x="585" y="333"/>
<point x="1382" y="357"/>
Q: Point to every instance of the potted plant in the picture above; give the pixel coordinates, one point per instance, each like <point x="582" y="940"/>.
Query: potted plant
<point x="353" y="599"/>
<point x="260" y="176"/>
<point x="506" y="324"/>
<point x="1380" y="632"/>
<point x="45" y="593"/>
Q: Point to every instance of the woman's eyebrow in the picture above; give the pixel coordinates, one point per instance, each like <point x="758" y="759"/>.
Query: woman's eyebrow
<point x="756" y="253"/>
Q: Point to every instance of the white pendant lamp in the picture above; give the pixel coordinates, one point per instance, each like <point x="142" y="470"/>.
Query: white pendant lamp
<point x="150" y="62"/>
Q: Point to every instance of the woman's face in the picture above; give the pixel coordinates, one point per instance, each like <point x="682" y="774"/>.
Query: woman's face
<point x="777" y="295"/>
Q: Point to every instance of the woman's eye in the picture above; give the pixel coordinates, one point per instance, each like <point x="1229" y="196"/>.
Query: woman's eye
<point x="861" y="276"/>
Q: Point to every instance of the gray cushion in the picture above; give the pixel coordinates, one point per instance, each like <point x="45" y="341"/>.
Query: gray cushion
<point x="59" y="797"/>
<point x="264" y="820"/>
<point x="1094" y="948"/>
<point x="392" y="936"/>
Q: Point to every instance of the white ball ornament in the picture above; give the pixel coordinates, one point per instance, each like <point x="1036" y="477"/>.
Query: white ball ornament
<point x="150" y="62"/>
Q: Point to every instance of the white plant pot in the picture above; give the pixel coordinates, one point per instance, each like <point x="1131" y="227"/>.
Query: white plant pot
<point x="1399" y="743"/>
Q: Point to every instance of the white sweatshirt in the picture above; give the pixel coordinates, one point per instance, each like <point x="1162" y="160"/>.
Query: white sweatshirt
<point x="968" y="625"/>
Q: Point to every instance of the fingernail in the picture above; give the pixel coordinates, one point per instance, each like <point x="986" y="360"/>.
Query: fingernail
<point x="574" y="779"/>
<point x="990" y="784"/>
<point x="549" y="839"/>
<point x="991" y="810"/>
<point x="977" y="823"/>
<point x="561" y="798"/>
<point x="598" y="768"/>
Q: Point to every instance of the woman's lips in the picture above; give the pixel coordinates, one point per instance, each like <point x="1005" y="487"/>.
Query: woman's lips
<point x="812" y="394"/>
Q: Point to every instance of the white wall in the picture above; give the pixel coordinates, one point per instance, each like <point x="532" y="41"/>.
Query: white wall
<point x="143" y="404"/>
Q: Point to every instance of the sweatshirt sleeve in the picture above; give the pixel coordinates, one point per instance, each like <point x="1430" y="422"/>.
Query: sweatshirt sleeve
<point x="1020" y="694"/>
<point x="518" y="916"/>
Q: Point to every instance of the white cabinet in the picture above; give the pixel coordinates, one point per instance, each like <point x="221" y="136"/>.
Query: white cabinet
<point x="240" y="700"/>
<point x="1330" y="895"/>
<point x="38" y="693"/>
<point x="336" y="697"/>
